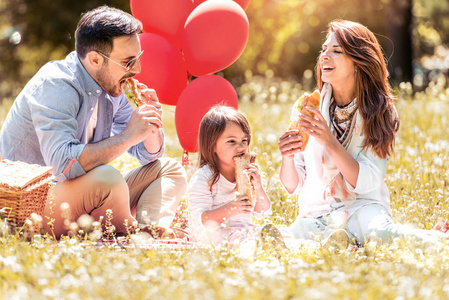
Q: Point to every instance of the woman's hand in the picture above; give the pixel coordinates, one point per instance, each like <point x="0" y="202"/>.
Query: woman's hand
<point x="290" y="143"/>
<point x="317" y="127"/>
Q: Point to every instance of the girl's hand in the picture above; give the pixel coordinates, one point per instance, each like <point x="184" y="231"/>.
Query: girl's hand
<point x="253" y="172"/>
<point x="240" y="206"/>
<point x="289" y="143"/>
<point x="261" y="202"/>
<point x="317" y="127"/>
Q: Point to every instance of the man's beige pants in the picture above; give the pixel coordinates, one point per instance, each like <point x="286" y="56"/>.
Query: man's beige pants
<point x="155" y="188"/>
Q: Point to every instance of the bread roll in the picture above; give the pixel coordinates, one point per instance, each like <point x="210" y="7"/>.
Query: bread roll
<point x="132" y="93"/>
<point x="312" y="100"/>
<point x="245" y="185"/>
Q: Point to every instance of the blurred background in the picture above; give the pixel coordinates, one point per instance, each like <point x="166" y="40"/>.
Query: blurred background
<point x="285" y="37"/>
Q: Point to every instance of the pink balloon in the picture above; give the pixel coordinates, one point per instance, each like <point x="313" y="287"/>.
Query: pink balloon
<point x="215" y="35"/>
<point x="195" y="100"/>
<point x="164" y="17"/>
<point x="163" y="68"/>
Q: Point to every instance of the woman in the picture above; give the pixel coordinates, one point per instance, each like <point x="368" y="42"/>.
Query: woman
<point x="340" y="174"/>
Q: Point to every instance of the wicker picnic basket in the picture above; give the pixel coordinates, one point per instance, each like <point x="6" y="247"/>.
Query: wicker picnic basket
<point x="23" y="189"/>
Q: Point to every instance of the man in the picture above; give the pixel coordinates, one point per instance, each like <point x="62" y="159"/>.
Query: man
<point x="64" y="118"/>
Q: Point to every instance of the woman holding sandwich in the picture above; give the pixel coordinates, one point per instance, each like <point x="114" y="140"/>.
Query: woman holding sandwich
<point x="340" y="174"/>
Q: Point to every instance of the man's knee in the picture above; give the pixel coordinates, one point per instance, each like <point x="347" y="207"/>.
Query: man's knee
<point x="106" y="177"/>
<point x="173" y="169"/>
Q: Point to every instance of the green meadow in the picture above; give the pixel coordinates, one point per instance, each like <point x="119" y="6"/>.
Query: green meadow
<point x="417" y="176"/>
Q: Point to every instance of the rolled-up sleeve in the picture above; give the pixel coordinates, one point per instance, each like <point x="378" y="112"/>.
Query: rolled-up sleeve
<point x="372" y="171"/>
<point x="142" y="155"/>
<point x="121" y="119"/>
<point x="56" y="127"/>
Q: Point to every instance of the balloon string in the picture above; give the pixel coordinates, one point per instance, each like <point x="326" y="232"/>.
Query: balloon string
<point x="185" y="158"/>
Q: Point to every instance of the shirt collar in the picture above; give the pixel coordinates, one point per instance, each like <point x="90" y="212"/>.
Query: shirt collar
<point x="89" y="84"/>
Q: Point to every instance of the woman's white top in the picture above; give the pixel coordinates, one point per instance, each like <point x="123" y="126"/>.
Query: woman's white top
<point x="322" y="189"/>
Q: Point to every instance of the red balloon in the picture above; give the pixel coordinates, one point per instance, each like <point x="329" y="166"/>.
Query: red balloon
<point x="163" y="68"/>
<point x="243" y="3"/>
<point x="164" y="17"/>
<point x="195" y="101"/>
<point x="215" y="35"/>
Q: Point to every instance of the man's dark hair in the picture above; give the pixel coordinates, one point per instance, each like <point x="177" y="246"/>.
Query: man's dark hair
<point x="98" y="27"/>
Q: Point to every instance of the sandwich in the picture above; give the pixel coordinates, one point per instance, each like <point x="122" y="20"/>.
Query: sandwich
<point x="245" y="185"/>
<point x="312" y="100"/>
<point x="132" y="93"/>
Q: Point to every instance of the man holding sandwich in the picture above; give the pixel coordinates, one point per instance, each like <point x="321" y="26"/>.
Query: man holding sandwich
<point x="64" y="118"/>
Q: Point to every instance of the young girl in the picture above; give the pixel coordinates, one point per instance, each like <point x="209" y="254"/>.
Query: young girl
<point x="216" y="213"/>
<point x="340" y="174"/>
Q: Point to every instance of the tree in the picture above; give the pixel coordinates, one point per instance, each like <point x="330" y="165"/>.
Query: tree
<point x="400" y="34"/>
<point x="285" y="36"/>
<point x="43" y="30"/>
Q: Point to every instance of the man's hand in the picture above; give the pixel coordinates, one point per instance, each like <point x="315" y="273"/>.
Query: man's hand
<point x="153" y="141"/>
<point x="145" y="120"/>
<point x="150" y="96"/>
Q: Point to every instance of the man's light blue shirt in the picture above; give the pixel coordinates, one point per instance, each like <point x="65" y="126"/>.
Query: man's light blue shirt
<point x="47" y="122"/>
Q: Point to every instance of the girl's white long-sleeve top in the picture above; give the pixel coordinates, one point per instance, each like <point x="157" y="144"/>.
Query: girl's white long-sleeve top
<point x="201" y="198"/>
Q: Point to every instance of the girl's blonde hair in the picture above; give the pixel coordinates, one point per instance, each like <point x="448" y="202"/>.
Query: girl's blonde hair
<point x="211" y="128"/>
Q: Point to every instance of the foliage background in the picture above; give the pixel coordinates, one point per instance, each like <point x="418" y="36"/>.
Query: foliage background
<point x="285" y="36"/>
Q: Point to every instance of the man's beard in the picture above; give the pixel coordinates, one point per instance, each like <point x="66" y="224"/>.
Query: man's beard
<point x="105" y="81"/>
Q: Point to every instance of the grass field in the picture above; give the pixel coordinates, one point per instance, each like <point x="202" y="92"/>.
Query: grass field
<point x="417" y="178"/>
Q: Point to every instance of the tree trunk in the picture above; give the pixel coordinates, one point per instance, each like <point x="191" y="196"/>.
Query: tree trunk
<point x="400" y="34"/>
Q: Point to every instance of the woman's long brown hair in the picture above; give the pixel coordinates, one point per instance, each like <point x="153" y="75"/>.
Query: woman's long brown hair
<point x="211" y="127"/>
<point x="373" y="91"/>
